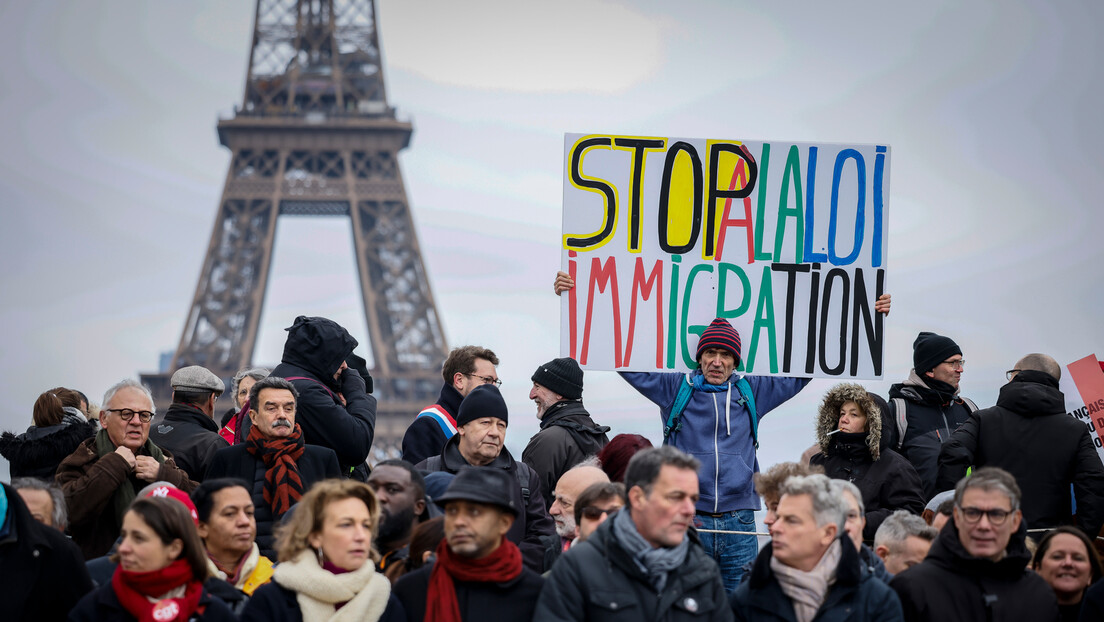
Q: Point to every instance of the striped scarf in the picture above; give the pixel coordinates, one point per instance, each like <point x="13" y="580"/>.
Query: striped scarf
<point x="283" y="486"/>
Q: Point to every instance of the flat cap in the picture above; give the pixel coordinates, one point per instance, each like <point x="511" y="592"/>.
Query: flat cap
<point x="198" y="379"/>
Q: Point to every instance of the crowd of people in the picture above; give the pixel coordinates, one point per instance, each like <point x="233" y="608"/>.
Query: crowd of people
<point x="917" y="507"/>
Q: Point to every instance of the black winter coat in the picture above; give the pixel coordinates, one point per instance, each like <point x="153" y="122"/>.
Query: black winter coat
<point x="42" y="573"/>
<point x="38" y="451"/>
<point x="598" y="580"/>
<point x="316" y="464"/>
<point x="567" y="435"/>
<point x="531" y="524"/>
<point x="887" y="484"/>
<point x="425" y="438"/>
<point x="933" y="414"/>
<point x="273" y="602"/>
<point x="951" y="585"/>
<point x="102" y="605"/>
<point x="479" y="601"/>
<point x="191" y="436"/>
<point x="1029" y="435"/>
<point x="315" y="349"/>
<point x="856" y="594"/>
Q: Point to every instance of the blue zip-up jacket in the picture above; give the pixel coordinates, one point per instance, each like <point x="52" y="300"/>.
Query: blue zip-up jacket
<point x="716" y="429"/>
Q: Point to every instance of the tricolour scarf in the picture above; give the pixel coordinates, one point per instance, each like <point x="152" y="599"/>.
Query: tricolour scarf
<point x="143" y="593"/>
<point x="504" y="564"/>
<point x="807" y="590"/>
<point x="283" y="486"/>
<point x="125" y="494"/>
<point x="362" y="593"/>
<point x="656" y="562"/>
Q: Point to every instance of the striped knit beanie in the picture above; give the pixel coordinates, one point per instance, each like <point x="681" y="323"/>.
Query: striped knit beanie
<point x="720" y="334"/>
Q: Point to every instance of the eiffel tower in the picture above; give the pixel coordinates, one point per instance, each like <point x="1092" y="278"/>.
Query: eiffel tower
<point x="315" y="136"/>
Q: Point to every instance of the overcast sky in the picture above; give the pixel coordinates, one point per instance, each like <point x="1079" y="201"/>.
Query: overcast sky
<point x="111" y="171"/>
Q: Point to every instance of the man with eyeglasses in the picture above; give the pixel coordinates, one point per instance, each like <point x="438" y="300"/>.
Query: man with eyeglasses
<point x="104" y="474"/>
<point x="466" y="368"/>
<point x="926" y="408"/>
<point x="567" y="434"/>
<point x="1029" y="435"/>
<point x="977" y="566"/>
<point x="480" y="441"/>
<point x="596" y="504"/>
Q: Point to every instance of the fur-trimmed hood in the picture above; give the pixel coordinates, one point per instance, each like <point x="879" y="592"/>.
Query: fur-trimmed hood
<point x="829" y="413"/>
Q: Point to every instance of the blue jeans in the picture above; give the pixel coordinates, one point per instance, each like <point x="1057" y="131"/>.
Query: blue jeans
<point x="730" y="551"/>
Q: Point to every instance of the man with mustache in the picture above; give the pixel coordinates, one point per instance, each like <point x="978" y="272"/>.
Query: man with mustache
<point x="400" y="490"/>
<point x="274" y="459"/>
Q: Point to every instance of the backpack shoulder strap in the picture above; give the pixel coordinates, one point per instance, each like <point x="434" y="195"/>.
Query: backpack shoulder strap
<point x="902" y="420"/>
<point x="969" y="404"/>
<point x="749" y="402"/>
<point x="682" y="398"/>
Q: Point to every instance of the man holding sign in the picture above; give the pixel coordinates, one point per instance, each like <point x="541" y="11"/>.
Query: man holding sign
<point x="712" y="414"/>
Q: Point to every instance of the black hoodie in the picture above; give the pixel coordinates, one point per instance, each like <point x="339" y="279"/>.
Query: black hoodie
<point x="950" y="584"/>
<point x="315" y="349"/>
<point x="1029" y="435"/>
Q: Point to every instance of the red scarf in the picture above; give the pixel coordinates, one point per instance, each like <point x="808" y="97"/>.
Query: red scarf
<point x="283" y="486"/>
<point x="133" y="588"/>
<point x="502" y="565"/>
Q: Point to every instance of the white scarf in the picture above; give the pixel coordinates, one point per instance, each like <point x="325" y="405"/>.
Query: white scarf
<point x="364" y="591"/>
<point x="807" y="590"/>
<point x="247" y="568"/>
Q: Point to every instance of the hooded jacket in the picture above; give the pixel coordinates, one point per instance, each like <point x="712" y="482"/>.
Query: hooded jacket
<point x="886" y="480"/>
<point x="934" y="412"/>
<point x="854" y="595"/>
<point x="716" y="429"/>
<point x="951" y="585"/>
<point x="38" y="451"/>
<point x="532" y="523"/>
<point x="567" y="436"/>
<point x="1029" y="435"/>
<point x="598" y="579"/>
<point x="315" y="349"/>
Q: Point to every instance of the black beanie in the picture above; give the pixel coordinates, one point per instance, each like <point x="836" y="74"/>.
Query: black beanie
<point x="562" y="376"/>
<point x="483" y="401"/>
<point x="931" y="349"/>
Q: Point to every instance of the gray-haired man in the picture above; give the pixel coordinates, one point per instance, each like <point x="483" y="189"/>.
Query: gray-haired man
<point x="903" y="540"/>
<point x="811" y="568"/>
<point x="976" y="567"/>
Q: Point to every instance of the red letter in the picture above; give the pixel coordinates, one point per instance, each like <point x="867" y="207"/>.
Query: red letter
<point x="601" y="276"/>
<point x="739" y="180"/>
<point x="643" y="288"/>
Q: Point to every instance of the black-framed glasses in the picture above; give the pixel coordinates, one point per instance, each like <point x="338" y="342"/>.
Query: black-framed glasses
<point x="959" y="364"/>
<point x="486" y="379"/>
<point x="127" y="414"/>
<point x="996" y="516"/>
<point x="593" y="512"/>
<point x="1010" y="374"/>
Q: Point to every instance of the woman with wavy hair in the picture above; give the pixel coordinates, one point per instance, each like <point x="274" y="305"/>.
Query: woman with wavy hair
<point x="849" y="433"/>
<point x="160" y="573"/>
<point x="327" y="565"/>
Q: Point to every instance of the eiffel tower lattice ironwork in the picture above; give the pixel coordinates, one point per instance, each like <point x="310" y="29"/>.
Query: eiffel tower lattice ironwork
<point x="315" y="136"/>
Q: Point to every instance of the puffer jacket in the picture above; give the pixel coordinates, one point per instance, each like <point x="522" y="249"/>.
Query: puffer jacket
<point x="886" y="480"/>
<point x="599" y="580"/>
<point x="314" y="350"/>
<point x="1029" y="435"/>
<point x="854" y="595"/>
<point x="567" y="436"/>
<point x="934" y="411"/>
<point x="951" y="585"/>
<point x="716" y="429"/>
<point x="532" y="523"/>
<point x="38" y="451"/>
